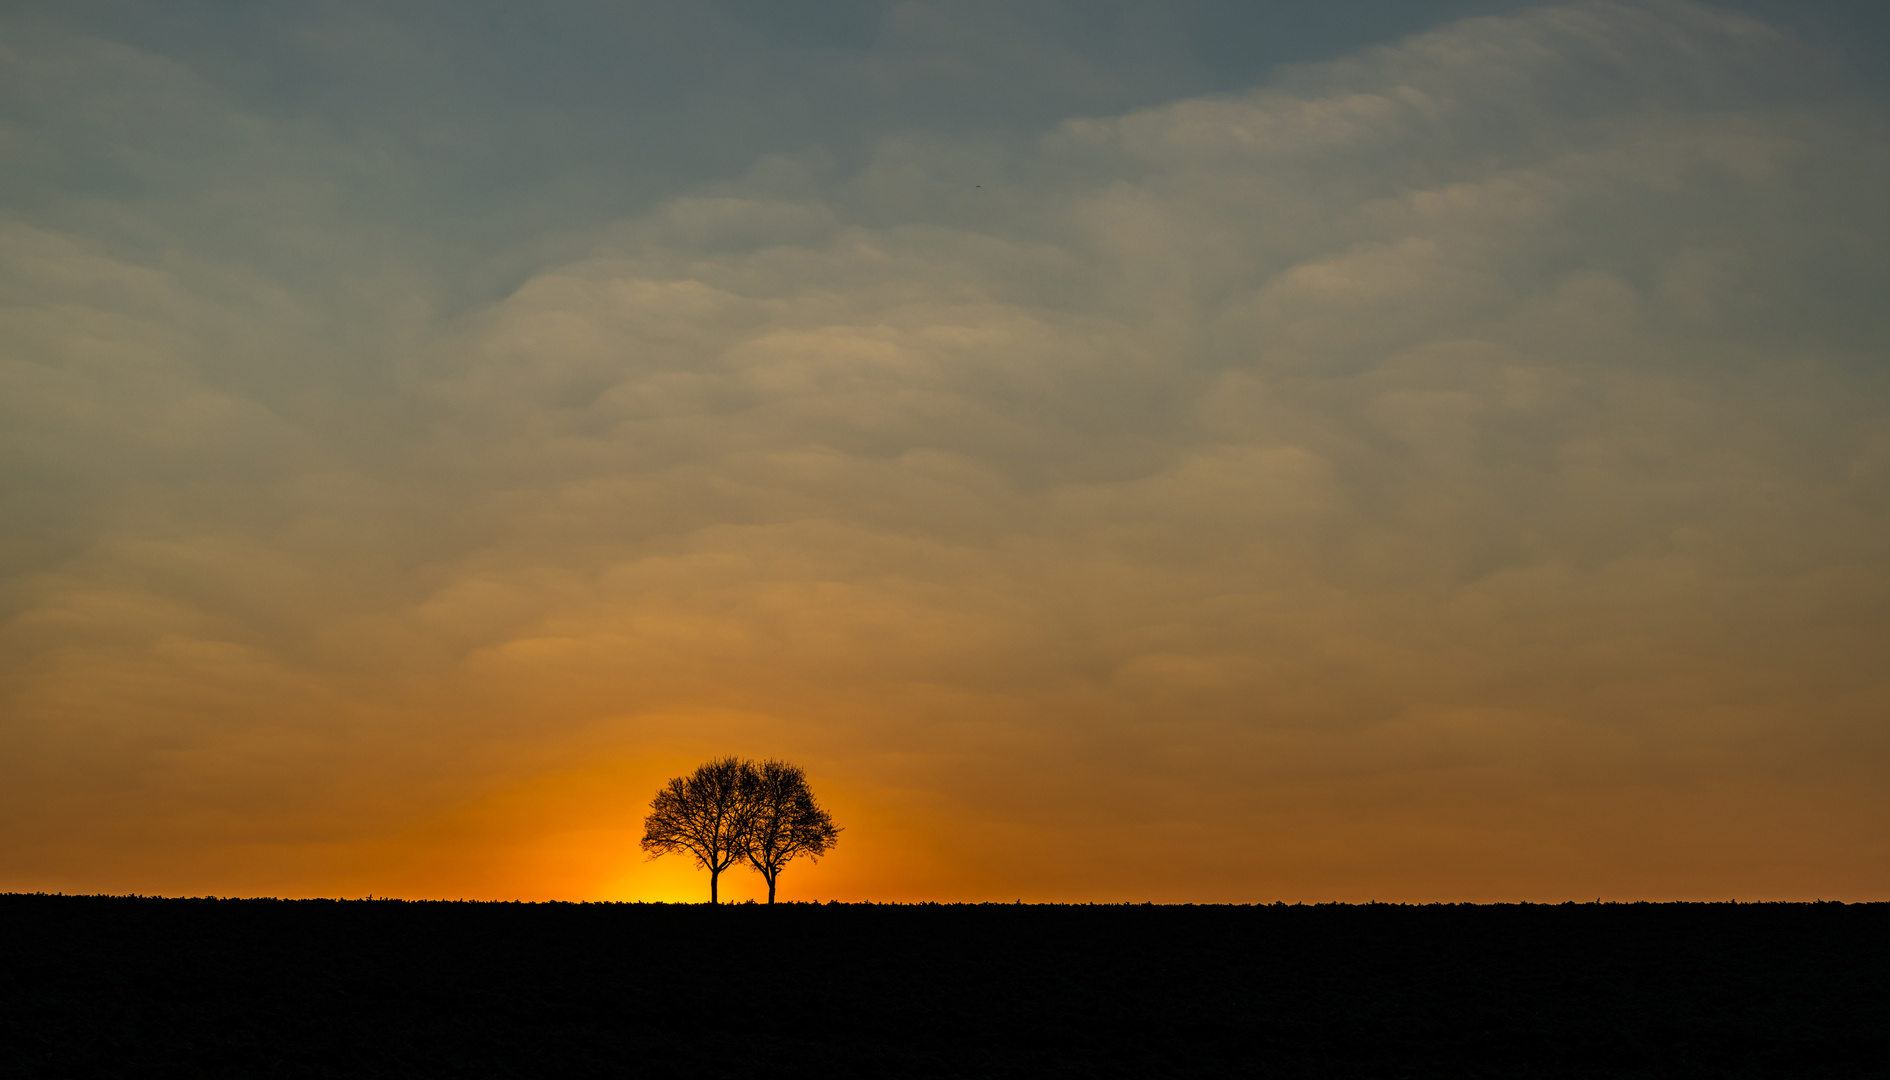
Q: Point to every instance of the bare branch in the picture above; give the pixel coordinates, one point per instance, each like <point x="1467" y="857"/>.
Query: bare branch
<point x="784" y="821"/>
<point x="705" y="814"/>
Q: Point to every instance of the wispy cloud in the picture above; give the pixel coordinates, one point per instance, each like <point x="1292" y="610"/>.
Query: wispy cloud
<point x="1456" y="470"/>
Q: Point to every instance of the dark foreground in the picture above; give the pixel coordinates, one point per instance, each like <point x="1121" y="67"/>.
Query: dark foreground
<point x="262" y="988"/>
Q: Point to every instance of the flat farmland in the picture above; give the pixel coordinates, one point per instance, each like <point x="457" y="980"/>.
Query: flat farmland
<point x="139" y="986"/>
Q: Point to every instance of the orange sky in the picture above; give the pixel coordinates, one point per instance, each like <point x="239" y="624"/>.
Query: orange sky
<point x="1457" y="471"/>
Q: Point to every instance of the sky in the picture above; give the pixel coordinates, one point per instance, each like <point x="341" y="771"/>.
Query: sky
<point x="1185" y="452"/>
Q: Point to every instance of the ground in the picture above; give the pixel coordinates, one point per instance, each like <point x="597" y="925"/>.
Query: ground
<point x="129" y="986"/>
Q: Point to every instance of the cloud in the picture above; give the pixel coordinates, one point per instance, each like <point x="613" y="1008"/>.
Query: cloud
<point x="1456" y="470"/>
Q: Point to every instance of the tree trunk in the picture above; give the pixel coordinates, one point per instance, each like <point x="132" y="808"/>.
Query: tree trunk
<point x="713" y="874"/>
<point x="771" y="878"/>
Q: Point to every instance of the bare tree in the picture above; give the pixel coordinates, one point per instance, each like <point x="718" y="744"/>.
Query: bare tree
<point x="783" y="820"/>
<point x="705" y="814"/>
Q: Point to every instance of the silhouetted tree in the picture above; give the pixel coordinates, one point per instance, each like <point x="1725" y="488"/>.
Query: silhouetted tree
<point x="783" y="820"/>
<point x="705" y="814"/>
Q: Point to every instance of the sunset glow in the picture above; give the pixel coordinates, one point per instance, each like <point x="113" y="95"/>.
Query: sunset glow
<point x="1445" y="462"/>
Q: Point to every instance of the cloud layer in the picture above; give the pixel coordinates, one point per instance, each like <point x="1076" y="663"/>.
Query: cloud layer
<point x="1455" y="471"/>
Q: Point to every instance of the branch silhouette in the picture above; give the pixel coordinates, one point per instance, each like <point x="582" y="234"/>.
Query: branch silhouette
<point x="730" y="809"/>
<point x="704" y="814"/>
<point x="784" y="820"/>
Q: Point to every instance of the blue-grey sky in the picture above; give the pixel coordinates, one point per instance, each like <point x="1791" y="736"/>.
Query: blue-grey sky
<point x="492" y="123"/>
<point x="493" y="133"/>
<point x="1183" y="451"/>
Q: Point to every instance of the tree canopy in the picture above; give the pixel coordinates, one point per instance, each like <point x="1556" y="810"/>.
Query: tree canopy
<point x="705" y="814"/>
<point x="731" y="808"/>
<point x="784" y="821"/>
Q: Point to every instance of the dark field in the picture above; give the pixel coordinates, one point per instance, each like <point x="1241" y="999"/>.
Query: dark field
<point x="150" y="987"/>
